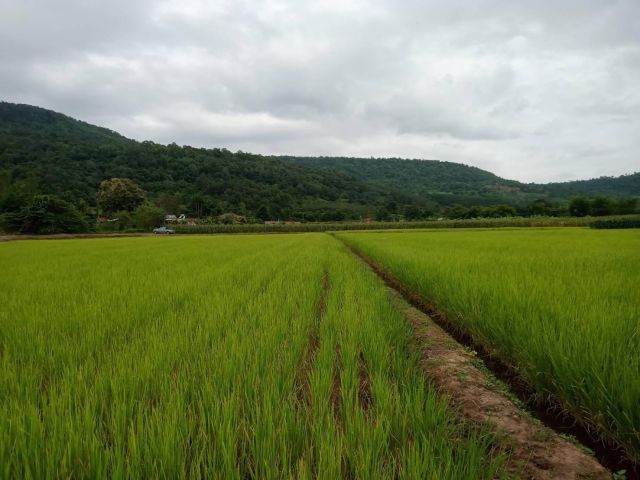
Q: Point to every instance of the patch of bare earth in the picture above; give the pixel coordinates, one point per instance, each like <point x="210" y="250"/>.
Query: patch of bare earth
<point x="302" y="378"/>
<point x="302" y="381"/>
<point x="335" y="397"/>
<point x="534" y="451"/>
<point x="365" y="395"/>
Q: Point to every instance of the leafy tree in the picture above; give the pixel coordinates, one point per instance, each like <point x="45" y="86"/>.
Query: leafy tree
<point x="541" y="207"/>
<point x="626" y="206"/>
<point x="148" y="215"/>
<point x="457" y="211"/>
<point x="413" y="213"/>
<point x="171" y="203"/>
<point x="501" y="211"/>
<point x="600" y="206"/>
<point x="46" y="214"/>
<point x="263" y="213"/>
<point x="119" y="194"/>
<point x="122" y="220"/>
<point x="579" y="207"/>
<point x="392" y="206"/>
<point x="383" y="215"/>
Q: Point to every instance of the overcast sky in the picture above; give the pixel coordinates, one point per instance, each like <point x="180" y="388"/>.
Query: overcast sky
<point x="540" y="90"/>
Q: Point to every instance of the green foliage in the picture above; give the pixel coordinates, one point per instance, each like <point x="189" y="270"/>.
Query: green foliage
<point x="601" y="206"/>
<point x="559" y="306"/>
<point x="119" y="194"/>
<point x="546" y="208"/>
<point x="44" y="215"/>
<point x="497" y="211"/>
<point x="614" y="223"/>
<point x="445" y="183"/>
<point x="171" y="203"/>
<point x="43" y="152"/>
<point x="148" y="215"/>
<point x="579" y="207"/>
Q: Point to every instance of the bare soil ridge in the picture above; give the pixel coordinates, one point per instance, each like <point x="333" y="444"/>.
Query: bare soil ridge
<point x="365" y="395"/>
<point x="302" y="381"/>
<point x="335" y="397"/>
<point x="535" y="451"/>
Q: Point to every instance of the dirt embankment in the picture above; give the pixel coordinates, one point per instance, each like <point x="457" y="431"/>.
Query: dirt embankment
<point x="302" y="378"/>
<point x="535" y="451"/>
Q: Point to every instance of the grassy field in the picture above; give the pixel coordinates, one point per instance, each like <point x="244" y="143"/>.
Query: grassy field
<point x="562" y="306"/>
<point x="221" y="357"/>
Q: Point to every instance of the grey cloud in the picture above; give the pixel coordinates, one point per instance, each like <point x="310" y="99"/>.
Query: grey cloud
<point x="533" y="90"/>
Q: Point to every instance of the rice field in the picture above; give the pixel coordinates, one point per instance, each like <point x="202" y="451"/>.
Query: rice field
<point x="561" y="306"/>
<point x="230" y="357"/>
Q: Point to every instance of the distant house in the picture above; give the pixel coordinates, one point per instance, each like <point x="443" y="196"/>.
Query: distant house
<point x="182" y="218"/>
<point x="271" y="222"/>
<point x="170" y="218"/>
<point x="191" y="221"/>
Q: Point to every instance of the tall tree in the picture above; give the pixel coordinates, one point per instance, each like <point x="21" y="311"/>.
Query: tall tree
<point x="46" y="214"/>
<point x="119" y="194"/>
<point x="579" y="207"/>
<point x="148" y="215"/>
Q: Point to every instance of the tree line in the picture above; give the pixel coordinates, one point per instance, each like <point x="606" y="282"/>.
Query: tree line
<point x="121" y="204"/>
<point x="53" y="167"/>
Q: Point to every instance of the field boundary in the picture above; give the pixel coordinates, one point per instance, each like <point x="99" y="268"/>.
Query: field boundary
<point x="302" y="380"/>
<point x="544" y="411"/>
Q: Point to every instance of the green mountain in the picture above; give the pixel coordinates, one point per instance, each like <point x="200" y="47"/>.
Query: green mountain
<point x="44" y="152"/>
<point x="447" y="183"/>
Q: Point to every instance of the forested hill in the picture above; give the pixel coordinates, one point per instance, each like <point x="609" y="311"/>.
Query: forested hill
<point x="447" y="182"/>
<point x="39" y="124"/>
<point x="44" y="152"/>
<point x="624" y="185"/>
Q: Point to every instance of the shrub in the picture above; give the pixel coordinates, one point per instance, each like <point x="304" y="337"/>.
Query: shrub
<point x="616" y="223"/>
<point x="46" y="214"/>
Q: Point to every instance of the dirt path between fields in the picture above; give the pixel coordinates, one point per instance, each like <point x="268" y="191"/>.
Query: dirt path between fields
<point x="535" y="451"/>
<point x="302" y="382"/>
<point x="365" y="394"/>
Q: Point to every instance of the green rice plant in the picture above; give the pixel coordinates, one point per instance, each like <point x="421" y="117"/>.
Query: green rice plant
<point x="561" y="306"/>
<point x="181" y="357"/>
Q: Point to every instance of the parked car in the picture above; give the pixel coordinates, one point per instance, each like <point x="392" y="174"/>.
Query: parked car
<point x="163" y="230"/>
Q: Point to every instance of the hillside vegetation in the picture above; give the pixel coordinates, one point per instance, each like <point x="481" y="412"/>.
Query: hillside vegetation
<point x="47" y="153"/>
<point x="447" y="183"/>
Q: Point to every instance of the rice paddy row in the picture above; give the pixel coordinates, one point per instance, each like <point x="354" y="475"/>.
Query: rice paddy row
<point x="215" y="357"/>
<point x="560" y="306"/>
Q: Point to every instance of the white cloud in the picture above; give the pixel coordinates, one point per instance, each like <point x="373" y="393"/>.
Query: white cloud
<point x="533" y="90"/>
